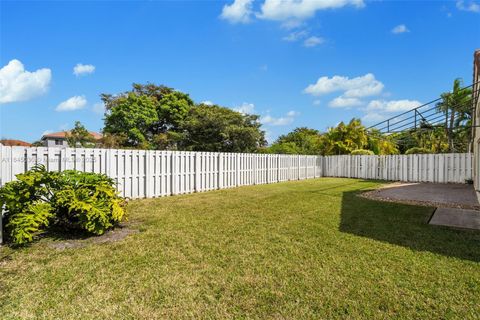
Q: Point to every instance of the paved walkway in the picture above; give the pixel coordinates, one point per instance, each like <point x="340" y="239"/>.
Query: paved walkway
<point x="460" y="218"/>
<point x="457" y="204"/>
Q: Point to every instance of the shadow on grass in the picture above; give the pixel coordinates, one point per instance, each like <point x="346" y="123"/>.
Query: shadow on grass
<point x="74" y="236"/>
<point x="63" y="233"/>
<point x="54" y="233"/>
<point x="407" y="226"/>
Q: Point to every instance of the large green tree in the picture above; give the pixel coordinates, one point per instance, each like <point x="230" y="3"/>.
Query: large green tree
<point x="131" y="117"/>
<point x="171" y="108"/>
<point x="380" y="143"/>
<point x="215" y="128"/>
<point x="344" y="138"/>
<point x="159" y="117"/>
<point x="300" y="141"/>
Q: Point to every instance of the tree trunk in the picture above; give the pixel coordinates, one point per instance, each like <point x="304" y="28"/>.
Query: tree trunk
<point x="450" y="131"/>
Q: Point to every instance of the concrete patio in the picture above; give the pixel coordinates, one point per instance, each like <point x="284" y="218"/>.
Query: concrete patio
<point x="459" y="218"/>
<point x="457" y="204"/>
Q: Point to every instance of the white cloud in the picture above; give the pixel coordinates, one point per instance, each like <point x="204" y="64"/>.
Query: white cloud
<point x="295" y="36"/>
<point x="239" y="11"/>
<point x="99" y="108"/>
<point x="298" y="10"/>
<point x="249" y="108"/>
<point x="392" y="106"/>
<point x="17" y="84"/>
<point x="292" y="113"/>
<point x="471" y="6"/>
<point x="268" y="135"/>
<point x="83" y="69"/>
<point x="362" y="86"/>
<point x="313" y="41"/>
<point x="379" y="110"/>
<point x="342" y="102"/>
<point x="317" y="102"/>
<point x="308" y="41"/>
<point x="74" y="103"/>
<point x="291" y="13"/>
<point x="292" y="24"/>
<point x="207" y="102"/>
<point x="245" y="108"/>
<point x="353" y="90"/>
<point x="373" y="117"/>
<point x="281" y="121"/>
<point x="401" y="28"/>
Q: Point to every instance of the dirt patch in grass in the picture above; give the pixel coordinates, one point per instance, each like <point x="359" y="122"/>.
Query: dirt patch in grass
<point x="113" y="235"/>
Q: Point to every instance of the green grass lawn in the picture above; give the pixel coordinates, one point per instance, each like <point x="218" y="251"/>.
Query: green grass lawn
<point x="302" y="249"/>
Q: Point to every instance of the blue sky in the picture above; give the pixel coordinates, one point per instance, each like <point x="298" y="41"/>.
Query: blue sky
<point x="295" y="63"/>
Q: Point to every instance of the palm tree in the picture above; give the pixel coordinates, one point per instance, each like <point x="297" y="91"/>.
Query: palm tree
<point x="457" y="106"/>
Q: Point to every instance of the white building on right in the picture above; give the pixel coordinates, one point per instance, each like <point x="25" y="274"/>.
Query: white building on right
<point x="476" y="122"/>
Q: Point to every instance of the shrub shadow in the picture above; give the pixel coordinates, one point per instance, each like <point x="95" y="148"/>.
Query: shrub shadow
<point x="407" y="226"/>
<point x="69" y="237"/>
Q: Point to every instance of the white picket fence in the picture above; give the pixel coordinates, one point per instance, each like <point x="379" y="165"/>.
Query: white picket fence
<point x="439" y="168"/>
<point x="142" y="173"/>
<point x="145" y="173"/>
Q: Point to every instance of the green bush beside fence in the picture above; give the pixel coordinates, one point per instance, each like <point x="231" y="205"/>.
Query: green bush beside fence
<point x="71" y="200"/>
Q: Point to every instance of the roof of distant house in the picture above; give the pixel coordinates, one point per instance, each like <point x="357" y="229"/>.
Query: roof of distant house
<point x="12" y="143"/>
<point x="63" y="135"/>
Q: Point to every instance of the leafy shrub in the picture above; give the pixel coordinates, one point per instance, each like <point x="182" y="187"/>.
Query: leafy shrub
<point x="362" y="152"/>
<point x="417" y="150"/>
<point x="70" y="199"/>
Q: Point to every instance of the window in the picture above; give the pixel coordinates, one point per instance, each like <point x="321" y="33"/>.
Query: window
<point x="58" y="142"/>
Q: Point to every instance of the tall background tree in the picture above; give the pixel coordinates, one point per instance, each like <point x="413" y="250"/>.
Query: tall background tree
<point x="300" y="141"/>
<point x="79" y="137"/>
<point x="161" y="111"/>
<point x="457" y="107"/>
<point x="159" y="117"/>
<point x="215" y="128"/>
<point x="342" y="139"/>
<point x="131" y="117"/>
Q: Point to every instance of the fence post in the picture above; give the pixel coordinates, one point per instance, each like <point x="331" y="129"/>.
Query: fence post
<point x="254" y="167"/>
<point x="322" y="166"/>
<point x="266" y="168"/>
<point x="237" y="169"/>
<point x="305" y="163"/>
<point x="10" y="162"/>
<point x="173" y="180"/>
<point x="197" y="171"/>
<point x="298" y="167"/>
<point x="221" y="175"/>
<point x="278" y="167"/>
<point x="148" y="174"/>
<point x="108" y="161"/>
